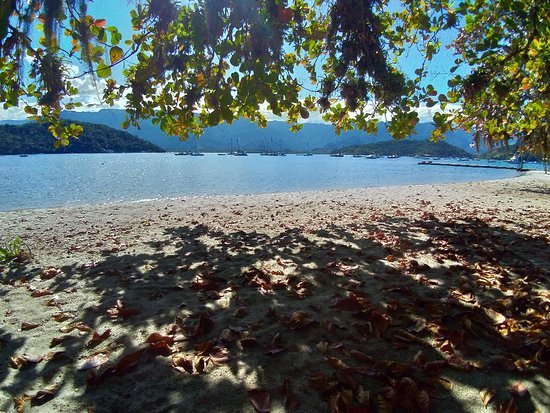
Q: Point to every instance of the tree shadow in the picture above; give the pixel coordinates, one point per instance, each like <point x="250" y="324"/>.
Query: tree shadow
<point x="361" y="309"/>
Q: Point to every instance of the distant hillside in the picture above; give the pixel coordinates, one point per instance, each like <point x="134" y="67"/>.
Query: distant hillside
<point x="315" y="137"/>
<point x="504" y="153"/>
<point x="31" y="138"/>
<point x="408" y="148"/>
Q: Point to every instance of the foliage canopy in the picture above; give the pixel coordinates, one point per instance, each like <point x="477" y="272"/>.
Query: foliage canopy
<point x="203" y="62"/>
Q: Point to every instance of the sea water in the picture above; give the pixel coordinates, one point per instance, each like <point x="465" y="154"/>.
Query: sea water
<point x="41" y="181"/>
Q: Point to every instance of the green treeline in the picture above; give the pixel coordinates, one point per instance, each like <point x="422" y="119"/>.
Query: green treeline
<point x="33" y="138"/>
<point x="408" y="148"/>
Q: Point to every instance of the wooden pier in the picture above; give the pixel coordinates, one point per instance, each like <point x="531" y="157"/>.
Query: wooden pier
<point x="461" y="165"/>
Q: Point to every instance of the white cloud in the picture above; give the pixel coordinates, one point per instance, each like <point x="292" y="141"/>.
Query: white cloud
<point x="13" y="113"/>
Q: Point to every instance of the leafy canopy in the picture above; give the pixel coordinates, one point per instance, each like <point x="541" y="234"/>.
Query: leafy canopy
<point x="203" y="62"/>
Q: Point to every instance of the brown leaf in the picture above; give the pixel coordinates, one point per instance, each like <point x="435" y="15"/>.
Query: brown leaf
<point x="58" y="356"/>
<point x="98" y="338"/>
<point x="322" y="346"/>
<point x="159" y="338"/>
<point x="458" y="363"/>
<point x="24" y="361"/>
<point x="346" y="378"/>
<point x="363" y="397"/>
<point x="276" y="346"/>
<point x="200" y="365"/>
<point x="43" y="396"/>
<point x="361" y="356"/>
<point x="240" y="312"/>
<point x="94" y="361"/>
<point x="29" y="326"/>
<point x="509" y="407"/>
<point x="20" y="402"/>
<point x="423" y="401"/>
<point x="66" y="315"/>
<point x="433" y="367"/>
<point x="260" y="399"/>
<point x="181" y="363"/>
<point x="318" y="382"/>
<point x="41" y="293"/>
<point x="298" y="321"/>
<point x="518" y="389"/>
<point x="58" y="340"/>
<point x="49" y="273"/>
<point x="494" y="316"/>
<point x="247" y="343"/>
<point x="501" y="363"/>
<point x="220" y="355"/>
<point x="384" y="406"/>
<point x="406" y="388"/>
<point x="350" y="303"/>
<point x="379" y="322"/>
<point x="119" y="310"/>
<point x="486" y="396"/>
<point x="419" y="358"/>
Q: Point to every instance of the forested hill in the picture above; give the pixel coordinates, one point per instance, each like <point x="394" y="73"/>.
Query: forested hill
<point x="31" y="138"/>
<point x="408" y="148"/>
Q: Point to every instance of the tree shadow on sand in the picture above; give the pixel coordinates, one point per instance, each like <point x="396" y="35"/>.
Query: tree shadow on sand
<point x="392" y="312"/>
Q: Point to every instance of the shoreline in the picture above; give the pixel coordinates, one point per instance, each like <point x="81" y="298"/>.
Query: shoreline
<point x="229" y="196"/>
<point x="263" y="278"/>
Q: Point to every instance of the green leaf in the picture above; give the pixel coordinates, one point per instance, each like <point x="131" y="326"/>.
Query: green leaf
<point x="115" y="54"/>
<point x="103" y="70"/>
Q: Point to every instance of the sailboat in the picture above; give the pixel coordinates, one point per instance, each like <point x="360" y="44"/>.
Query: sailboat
<point x="239" y="152"/>
<point x="338" y="154"/>
<point x="308" y="153"/>
<point x="196" y="151"/>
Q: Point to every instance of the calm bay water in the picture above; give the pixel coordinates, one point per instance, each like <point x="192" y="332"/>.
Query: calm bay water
<point x="41" y="181"/>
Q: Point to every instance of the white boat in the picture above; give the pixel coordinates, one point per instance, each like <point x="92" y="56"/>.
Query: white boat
<point x="371" y="156"/>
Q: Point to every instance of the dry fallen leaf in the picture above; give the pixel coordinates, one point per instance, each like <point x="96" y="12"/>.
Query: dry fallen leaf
<point x="322" y="346"/>
<point x="93" y="362"/>
<point x="518" y="389"/>
<point x="62" y="316"/>
<point x="41" y="293"/>
<point x="29" y="326"/>
<point x="20" y="402"/>
<point x="486" y="396"/>
<point x="43" y="396"/>
<point x="58" y="340"/>
<point x="49" y="273"/>
<point x="494" y="316"/>
<point x="260" y="399"/>
<point x="24" y="361"/>
<point x="501" y="363"/>
<point x="200" y="365"/>
<point x="98" y="338"/>
<point x="181" y="364"/>
<point x="509" y="407"/>
<point x="119" y="310"/>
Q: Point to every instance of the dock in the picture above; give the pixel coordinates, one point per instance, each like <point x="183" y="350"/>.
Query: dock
<point x="461" y="165"/>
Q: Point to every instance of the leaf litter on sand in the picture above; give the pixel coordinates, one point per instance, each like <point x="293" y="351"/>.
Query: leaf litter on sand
<point x="352" y="333"/>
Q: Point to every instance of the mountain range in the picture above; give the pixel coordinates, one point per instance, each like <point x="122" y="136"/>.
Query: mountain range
<point x="247" y="136"/>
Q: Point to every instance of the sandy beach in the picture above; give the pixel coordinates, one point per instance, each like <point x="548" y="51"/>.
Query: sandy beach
<point x="407" y="299"/>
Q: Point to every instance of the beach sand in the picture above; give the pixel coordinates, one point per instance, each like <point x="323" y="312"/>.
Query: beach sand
<point x="416" y="298"/>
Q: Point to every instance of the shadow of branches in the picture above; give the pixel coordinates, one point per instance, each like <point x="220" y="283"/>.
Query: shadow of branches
<point x="390" y="312"/>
